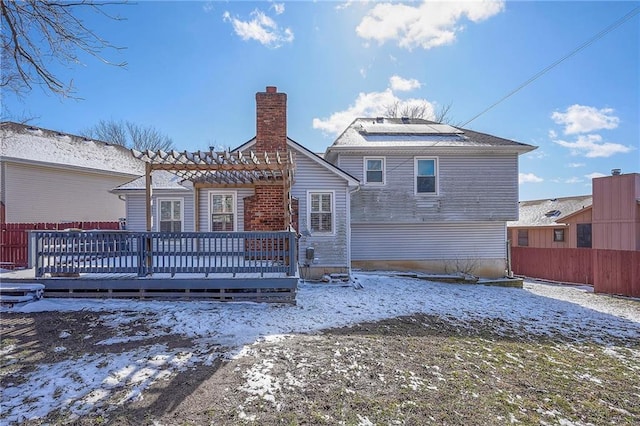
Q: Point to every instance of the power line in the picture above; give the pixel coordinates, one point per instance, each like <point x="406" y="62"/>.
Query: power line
<point x="587" y="43"/>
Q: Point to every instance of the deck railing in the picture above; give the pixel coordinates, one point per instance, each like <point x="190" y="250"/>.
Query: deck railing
<point x="65" y="253"/>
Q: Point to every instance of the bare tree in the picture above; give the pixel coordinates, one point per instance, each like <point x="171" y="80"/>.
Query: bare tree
<point x="36" y="32"/>
<point x="419" y="109"/>
<point x="129" y="135"/>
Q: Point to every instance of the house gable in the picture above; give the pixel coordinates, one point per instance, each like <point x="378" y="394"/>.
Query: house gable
<point x="351" y="181"/>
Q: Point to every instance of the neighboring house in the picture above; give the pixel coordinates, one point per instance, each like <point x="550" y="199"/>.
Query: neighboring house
<point x="432" y="197"/>
<point x="555" y="223"/>
<point x="587" y="239"/>
<point x="609" y="219"/>
<point x="318" y="199"/>
<point x="48" y="176"/>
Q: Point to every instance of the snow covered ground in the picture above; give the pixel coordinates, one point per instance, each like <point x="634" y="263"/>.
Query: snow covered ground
<point x="224" y="329"/>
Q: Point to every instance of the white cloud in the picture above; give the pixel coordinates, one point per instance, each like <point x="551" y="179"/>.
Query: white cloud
<point x="529" y="178"/>
<point x="591" y="146"/>
<point x="576" y="165"/>
<point x="594" y="175"/>
<point x="261" y="28"/>
<point x="427" y="25"/>
<point x="278" y="8"/>
<point x="208" y="6"/>
<point x="402" y="84"/>
<point x="584" y="119"/>
<point x="537" y="154"/>
<point x="371" y="104"/>
<point x="573" y="180"/>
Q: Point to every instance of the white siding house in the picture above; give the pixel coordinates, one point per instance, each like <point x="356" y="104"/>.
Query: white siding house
<point x="433" y="197"/>
<point x="47" y="176"/>
<point x="316" y="182"/>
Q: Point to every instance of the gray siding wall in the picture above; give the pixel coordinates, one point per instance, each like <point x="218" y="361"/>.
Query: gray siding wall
<point x="329" y="250"/>
<point x="137" y="210"/>
<point x="429" y="241"/>
<point x="43" y="194"/>
<point x="471" y="188"/>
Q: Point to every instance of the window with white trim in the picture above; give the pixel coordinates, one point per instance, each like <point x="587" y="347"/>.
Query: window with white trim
<point x="223" y="212"/>
<point x="426" y="176"/>
<point x="321" y="212"/>
<point x="374" y="171"/>
<point x="170" y="217"/>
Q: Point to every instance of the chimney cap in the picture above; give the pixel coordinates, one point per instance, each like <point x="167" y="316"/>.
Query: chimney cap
<point x="272" y="89"/>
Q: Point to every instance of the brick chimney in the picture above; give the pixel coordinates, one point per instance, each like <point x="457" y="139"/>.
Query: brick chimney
<point x="271" y="121"/>
<point x="265" y="210"/>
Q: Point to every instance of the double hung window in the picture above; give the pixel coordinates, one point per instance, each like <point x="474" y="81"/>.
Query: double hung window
<point x="426" y="176"/>
<point x="374" y="171"/>
<point x="223" y="212"/>
<point x="321" y="212"/>
<point x="170" y="215"/>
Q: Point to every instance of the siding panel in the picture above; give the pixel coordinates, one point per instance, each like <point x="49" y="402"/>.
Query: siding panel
<point x="329" y="250"/>
<point x="471" y="188"/>
<point x="41" y="194"/>
<point x="429" y="241"/>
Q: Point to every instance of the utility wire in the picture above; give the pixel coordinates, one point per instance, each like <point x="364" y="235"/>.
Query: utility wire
<point x="587" y="43"/>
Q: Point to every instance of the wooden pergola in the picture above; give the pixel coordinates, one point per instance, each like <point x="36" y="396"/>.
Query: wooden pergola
<point x="221" y="170"/>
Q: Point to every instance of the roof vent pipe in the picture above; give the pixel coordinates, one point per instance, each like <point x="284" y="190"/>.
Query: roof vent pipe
<point x="615" y="172"/>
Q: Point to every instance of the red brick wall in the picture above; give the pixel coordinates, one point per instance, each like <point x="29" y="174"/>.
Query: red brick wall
<point x="271" y="121"/>
<point x="264" y="211"/>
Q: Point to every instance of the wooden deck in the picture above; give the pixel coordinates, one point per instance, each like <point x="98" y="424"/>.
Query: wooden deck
<point x="274" y="287"/>
<point x="229" y="266"/>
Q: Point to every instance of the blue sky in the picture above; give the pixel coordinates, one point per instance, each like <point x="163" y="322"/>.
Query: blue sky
<point x="194" y="68"/>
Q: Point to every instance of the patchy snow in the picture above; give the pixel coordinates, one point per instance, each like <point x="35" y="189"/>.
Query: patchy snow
<point x="95" y="381"/>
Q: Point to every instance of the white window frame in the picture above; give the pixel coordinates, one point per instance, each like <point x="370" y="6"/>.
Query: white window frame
<point x="158" y="210"/>
<point x="234" y="195"/>
<point x="333" y="211"/>
<point x="384" y="171"/>
<point x="415" y="176"/>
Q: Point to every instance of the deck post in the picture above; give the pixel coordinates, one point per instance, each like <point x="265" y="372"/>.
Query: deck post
<point x="148" y="183"/>
<point x="292" y="254"/>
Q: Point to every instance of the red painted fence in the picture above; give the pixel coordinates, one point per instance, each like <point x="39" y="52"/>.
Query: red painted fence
<point x="617" y="272"/>
<point x="557" y="264"/>
<point x="609" y="271"/>
<point x="14" y="240"/>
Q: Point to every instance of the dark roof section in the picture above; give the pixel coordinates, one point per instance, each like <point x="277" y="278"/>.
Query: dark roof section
<point x="549" y="212"/>
<point x="361" y="133"/>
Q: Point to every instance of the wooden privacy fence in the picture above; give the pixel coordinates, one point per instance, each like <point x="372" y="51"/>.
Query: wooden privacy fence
<point x="617" y="272"/>
<point x="557" y="264"/>
<point x="14" y="240"/>
<point x="147" y="253"/>
<point x="609" y="271"/>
